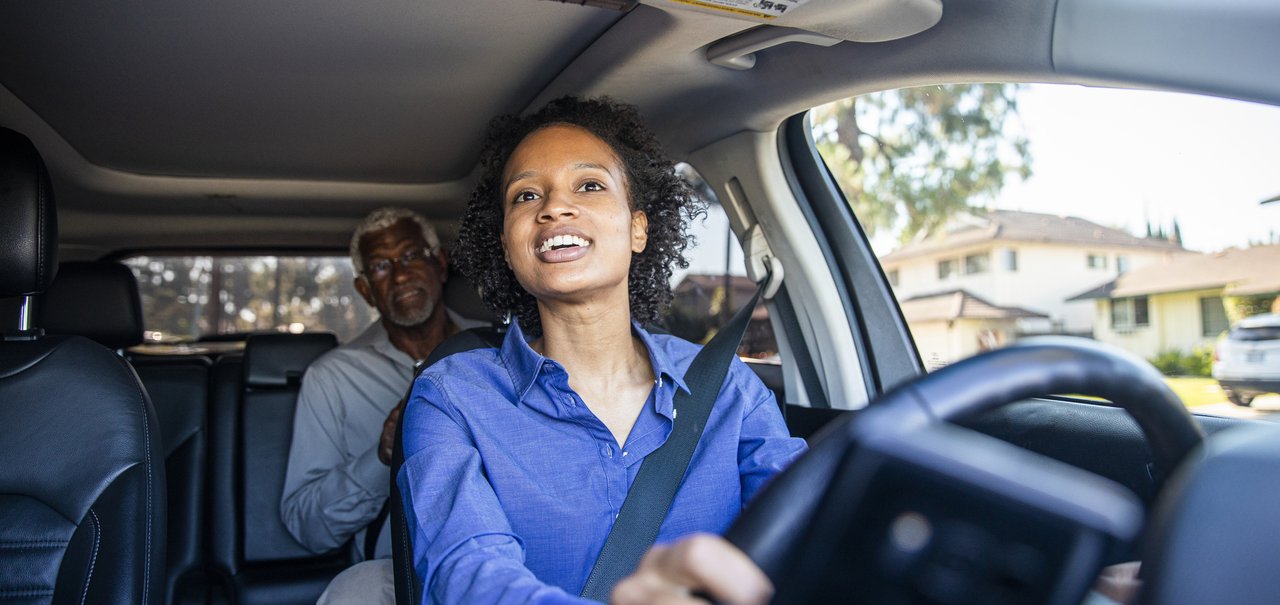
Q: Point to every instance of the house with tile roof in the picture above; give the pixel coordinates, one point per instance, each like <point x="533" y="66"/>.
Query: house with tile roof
<point x="1180" y="304"/>
<point x="1025" y="261"/>
<point x="948" y="326"/>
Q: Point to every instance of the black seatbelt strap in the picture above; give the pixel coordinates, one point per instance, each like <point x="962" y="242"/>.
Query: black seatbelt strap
<point x="465" y="340"/>
<point x="662" y="471"/>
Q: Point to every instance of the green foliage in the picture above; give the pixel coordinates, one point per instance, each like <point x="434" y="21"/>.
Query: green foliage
<point x="1240" y="307"/>
<point x="1172" y="362"/>
<point x="910" y="159"/>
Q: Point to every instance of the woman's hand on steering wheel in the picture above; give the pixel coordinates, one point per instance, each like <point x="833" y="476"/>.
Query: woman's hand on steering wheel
<point x="701" y="563"/>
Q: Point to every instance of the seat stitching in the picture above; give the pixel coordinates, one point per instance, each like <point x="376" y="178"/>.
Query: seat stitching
<point x="40" y="202"/>
<point x="32" y="544"/>
<point x="93" y="559"/>
<point x="146" y="444"/>
<point x="26" y="592"/>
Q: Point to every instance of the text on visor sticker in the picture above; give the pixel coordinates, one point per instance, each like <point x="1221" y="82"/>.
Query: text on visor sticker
<point x="767" y="9"/>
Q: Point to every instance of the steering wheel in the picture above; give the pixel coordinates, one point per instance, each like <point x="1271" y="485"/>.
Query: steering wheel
<point x="773" y="528"/>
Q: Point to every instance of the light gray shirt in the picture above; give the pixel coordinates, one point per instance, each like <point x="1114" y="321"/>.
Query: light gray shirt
<point x="335" y="485"/>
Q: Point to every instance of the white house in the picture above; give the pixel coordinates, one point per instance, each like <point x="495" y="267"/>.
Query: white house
<point x="1026" y="260"/>
<point x="996" y="275"/>
<point x="949" y="326"/>
<point x="1179" y="304"/>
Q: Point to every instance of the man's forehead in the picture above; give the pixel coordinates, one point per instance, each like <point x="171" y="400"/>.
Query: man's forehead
<point x="397" y="235"/>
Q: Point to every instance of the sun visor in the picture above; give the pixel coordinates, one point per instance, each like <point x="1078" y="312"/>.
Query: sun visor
<point x="841" y="20"/>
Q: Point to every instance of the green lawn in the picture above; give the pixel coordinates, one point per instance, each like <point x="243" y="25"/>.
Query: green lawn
<point x="1196" y="391"/>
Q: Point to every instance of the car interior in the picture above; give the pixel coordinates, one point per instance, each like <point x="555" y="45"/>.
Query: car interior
<point x="143" y="474"/>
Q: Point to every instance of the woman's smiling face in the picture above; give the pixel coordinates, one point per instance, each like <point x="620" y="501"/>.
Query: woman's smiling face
<point x="568" y="228"/>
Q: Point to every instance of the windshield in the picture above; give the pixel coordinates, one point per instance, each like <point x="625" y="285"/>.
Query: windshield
<point x="998" y="212"/>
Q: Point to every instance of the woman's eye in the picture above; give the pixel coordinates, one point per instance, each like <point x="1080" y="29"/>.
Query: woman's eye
<point x="591" y="186"/>
<point x="524" y="196"/>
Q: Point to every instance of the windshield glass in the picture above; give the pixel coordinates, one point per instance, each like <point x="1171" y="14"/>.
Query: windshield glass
<point x="1143" y="219"/>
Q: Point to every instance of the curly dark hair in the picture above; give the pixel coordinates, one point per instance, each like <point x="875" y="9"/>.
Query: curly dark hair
<point x="652" y="187"/>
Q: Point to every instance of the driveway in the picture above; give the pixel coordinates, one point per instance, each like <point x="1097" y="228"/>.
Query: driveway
<point x="1265" y="407"/>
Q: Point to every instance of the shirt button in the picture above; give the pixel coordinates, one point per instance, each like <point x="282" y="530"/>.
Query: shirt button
<point x="607" y="451"/>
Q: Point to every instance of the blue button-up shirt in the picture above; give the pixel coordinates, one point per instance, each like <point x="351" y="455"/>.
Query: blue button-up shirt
<point x="511" y="484"/>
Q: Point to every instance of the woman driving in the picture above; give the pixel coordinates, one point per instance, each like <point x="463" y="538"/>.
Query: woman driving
<point x="518" y="459"/>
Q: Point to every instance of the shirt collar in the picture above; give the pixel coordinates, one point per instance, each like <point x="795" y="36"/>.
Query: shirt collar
<point x="523" y="363"/>
<point x="663" y="367"/>
<point x="381" y="342"/>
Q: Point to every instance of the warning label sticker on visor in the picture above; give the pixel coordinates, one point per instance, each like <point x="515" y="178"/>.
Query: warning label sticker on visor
<point x="767" y="9"/>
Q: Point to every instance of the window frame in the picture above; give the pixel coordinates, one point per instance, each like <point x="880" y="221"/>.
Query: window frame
<point x="1204" y="319"/>
<point x="1131" y="304"/>
<point x="1009" y="259"/>
<point x="952" y="268"/>
<point x="977" y="263"/>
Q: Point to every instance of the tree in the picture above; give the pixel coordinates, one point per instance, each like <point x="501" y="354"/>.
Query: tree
<point x="910" y="159"/>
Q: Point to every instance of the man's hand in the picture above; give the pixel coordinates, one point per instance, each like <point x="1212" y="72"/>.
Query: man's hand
<point x="700" y="563"/>
<point x="387" y="442"/>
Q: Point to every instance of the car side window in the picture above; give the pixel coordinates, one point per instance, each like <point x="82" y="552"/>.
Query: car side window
<point x="1006" y="211"/>
<point x="715" y="284"/>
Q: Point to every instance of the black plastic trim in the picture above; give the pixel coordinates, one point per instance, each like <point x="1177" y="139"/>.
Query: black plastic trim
<point x="886" y="349"/>
<point x="800" y="354"/>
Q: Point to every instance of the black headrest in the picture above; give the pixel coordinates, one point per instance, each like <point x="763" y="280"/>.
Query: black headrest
<point x="28" y="222"/>
<point x="279" y="360"/>
<point x="97" y="300"/>
<point x="462" y="297"/>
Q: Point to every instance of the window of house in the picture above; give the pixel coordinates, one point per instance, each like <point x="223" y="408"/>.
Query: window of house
<point x="946" y="268"/>
<point x="977" y="263"/>
<point x="893" y="278"/>
<point x="1009" y="259"/>
<point x="1129" y="313"/>
<point x="1096" y="261"/>
<point x="1122" y="263"/>
<point x="1213" y="316"/>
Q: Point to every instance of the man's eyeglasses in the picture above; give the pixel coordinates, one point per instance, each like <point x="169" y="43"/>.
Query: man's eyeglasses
<point x="380" y="268"/>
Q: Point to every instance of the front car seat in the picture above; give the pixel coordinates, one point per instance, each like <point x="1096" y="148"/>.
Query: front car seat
<point x="82" y="491"/>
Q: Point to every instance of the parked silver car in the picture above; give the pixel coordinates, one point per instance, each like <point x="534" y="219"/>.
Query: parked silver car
<point x="1247" y="362"/>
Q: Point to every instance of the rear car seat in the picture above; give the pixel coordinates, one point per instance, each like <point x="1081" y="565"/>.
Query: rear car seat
<point x="252" y="404"/>
<point x="99" y="301"/>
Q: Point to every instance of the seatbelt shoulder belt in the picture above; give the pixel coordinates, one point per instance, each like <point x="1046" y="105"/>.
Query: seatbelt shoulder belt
<point x="662" y="471"/>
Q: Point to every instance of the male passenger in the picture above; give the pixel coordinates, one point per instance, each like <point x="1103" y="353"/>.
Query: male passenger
<point x="336" y="483"/>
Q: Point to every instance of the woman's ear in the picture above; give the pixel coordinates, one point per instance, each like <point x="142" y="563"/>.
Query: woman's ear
<point x="639" y="231"/>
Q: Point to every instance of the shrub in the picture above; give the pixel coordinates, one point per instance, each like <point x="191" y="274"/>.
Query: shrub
<point x="1172" y="362"/>
<point x="1169" y="362"/>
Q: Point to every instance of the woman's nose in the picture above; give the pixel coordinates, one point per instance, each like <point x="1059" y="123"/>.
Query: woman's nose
<point x="556" y="206"/>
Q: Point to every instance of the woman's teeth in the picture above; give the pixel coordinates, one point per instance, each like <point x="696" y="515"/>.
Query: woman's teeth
<point x="562" y="241"/>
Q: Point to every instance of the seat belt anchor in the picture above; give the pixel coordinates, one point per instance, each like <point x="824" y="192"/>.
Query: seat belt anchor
<point x="762" y="266"/>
